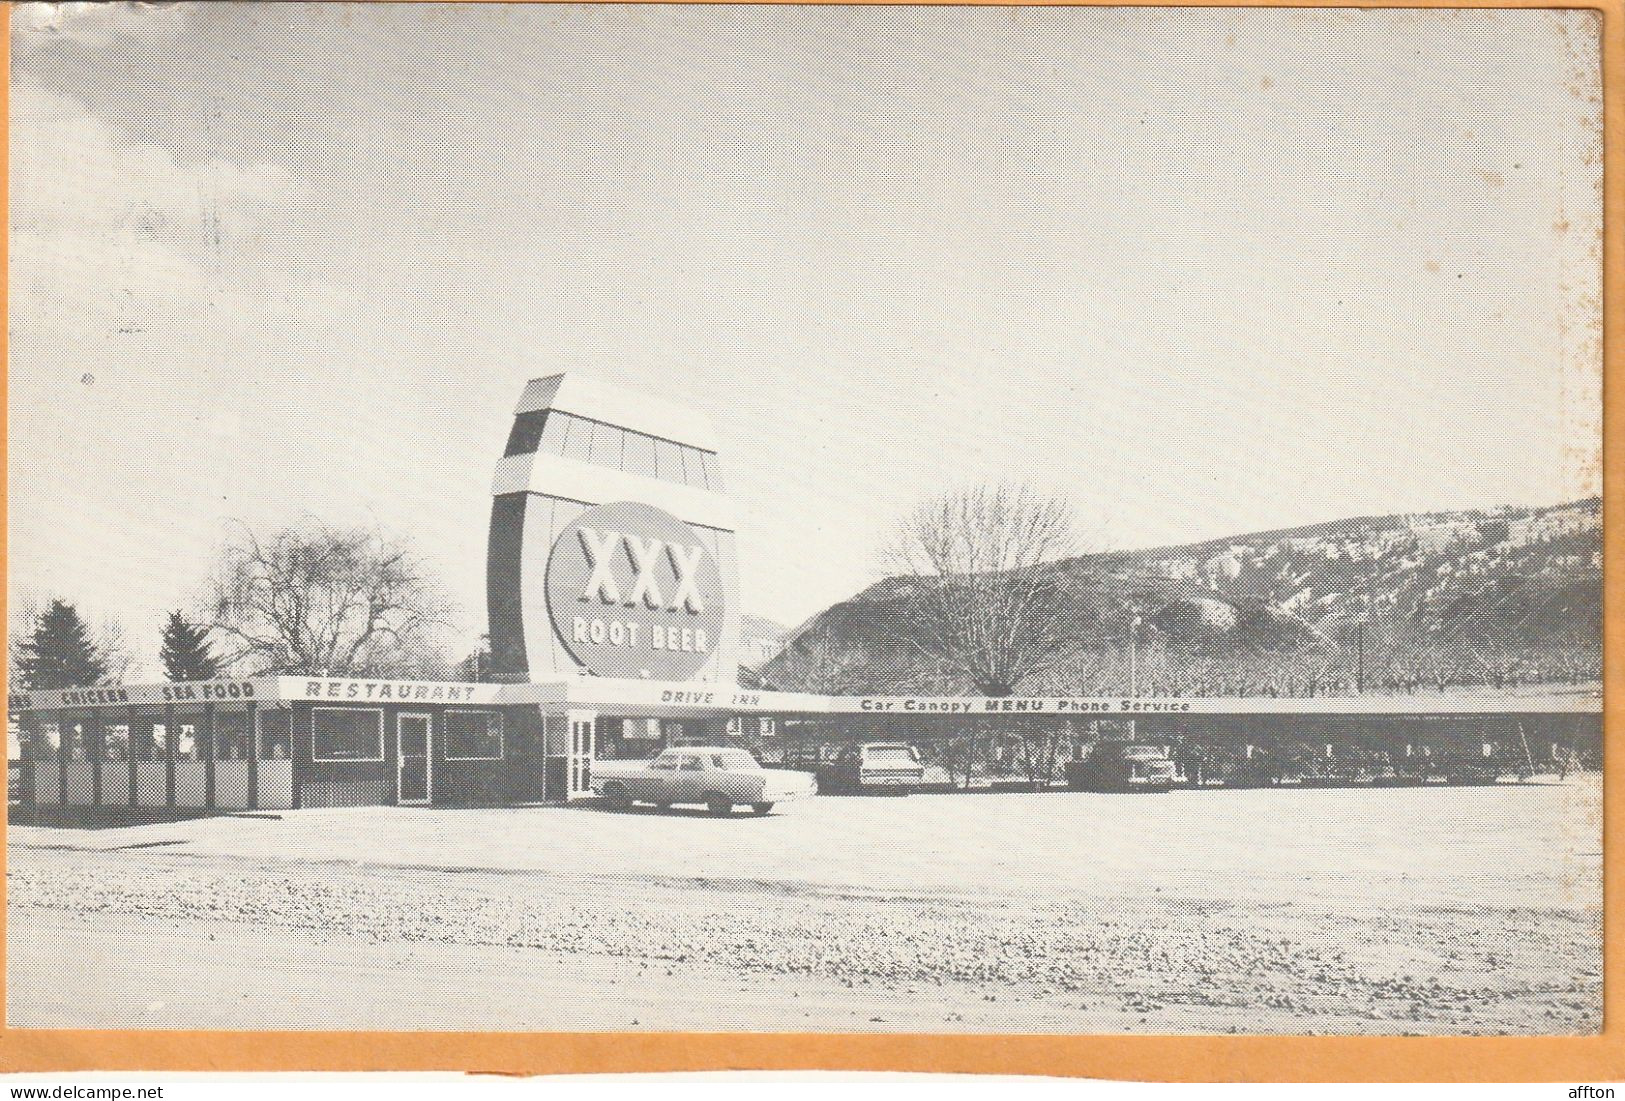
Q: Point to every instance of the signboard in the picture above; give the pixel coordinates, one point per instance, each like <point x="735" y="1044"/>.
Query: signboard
<point x="352" y="690"/>
<point x="632" y="591"/>
<point x="226" y="692"/>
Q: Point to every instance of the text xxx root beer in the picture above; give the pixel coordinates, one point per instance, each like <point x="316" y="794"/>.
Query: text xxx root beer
<point x="633" y="592"/>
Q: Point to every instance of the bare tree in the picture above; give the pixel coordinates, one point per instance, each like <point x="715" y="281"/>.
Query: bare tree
<point x="959" y="753"/>
<point x="318" y="599"/>
<point x="817" y="665"/>
<point x="1038" y="750"/>
<point x="980" y="587"/>
<point x="114" y="650"/>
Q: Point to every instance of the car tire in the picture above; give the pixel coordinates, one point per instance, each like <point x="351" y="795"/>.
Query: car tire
<point x="760" y="808"/>
<point x="616" y="797"/>
<point x="719" y="805"/>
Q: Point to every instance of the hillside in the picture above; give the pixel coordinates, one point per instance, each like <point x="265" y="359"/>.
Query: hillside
<point x="1395" y="603"/>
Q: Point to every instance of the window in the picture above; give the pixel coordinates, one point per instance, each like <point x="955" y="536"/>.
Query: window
<point x="341" y="734"/>
<point x="230" y="735"/>
<point x="665" y="762"/>
<point x="668" y="461"/>
<point x="276" y="735"/>
<point x="639" y="458"/>
<point x="640" y="730"/>
<point x="694" y="460"/>
<point x="553" y="433"/>
<point x="186" y="741"/>
<point x="578" y="440"/>
<point x="694" y="467"/>
<point x="606" y="445"/>
<point x="73" y="741"/>
<point x="41" y="741"/>
<point x="527" y="433"/>
<point x="736" y="759"/>
<point x="473" y="736"/>
<point x="713" y="473"/>
<point x="116" y="742"/>
<point x="150" y="740"/>
<point x="692" y="764"/>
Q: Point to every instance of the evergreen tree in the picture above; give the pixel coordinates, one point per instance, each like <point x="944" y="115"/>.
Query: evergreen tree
<point x="185" y="651"/>
<point x="60" y="653"/>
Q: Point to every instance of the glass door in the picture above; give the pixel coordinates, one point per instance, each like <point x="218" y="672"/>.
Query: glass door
<point x="582" y="745"/>
<point x="413" y="766"/>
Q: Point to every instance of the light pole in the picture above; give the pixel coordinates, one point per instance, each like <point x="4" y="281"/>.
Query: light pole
<point x="1359" y="653"/>
<point x="1134" y="667"/>
<point x="1134" y="656"/>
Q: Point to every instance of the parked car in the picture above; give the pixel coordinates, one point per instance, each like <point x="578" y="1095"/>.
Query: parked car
<point x="881" y="768"/>
<point x="719" y="778"/>
<point x="1468" y="769"/>
<point x="1122" y="766"/>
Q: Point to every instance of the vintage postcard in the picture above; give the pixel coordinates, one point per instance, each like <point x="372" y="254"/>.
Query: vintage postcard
<point x="804" y="521"/>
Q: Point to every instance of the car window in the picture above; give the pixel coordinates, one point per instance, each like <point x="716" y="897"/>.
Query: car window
<point x="664" y="762"/>
<point x="898" y="753"/>
<point x="692" y="764"/>
<point x="735" y="759"/>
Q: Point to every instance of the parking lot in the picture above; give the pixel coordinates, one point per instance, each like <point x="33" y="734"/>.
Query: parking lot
<point x="1356" y="910"/>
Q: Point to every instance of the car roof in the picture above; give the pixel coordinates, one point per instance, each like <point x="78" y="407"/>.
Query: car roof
<point x="705" y="749"/>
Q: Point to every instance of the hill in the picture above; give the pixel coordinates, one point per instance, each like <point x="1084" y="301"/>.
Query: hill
<point x="1394" y="603"/>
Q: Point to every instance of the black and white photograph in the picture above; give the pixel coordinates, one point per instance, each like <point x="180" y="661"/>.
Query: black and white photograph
<point x="804" y="519"/>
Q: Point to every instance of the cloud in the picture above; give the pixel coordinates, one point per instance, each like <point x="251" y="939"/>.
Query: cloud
<point x="109" y="236"/>
<point x="37" y="27"/>
<point x="70" y="173"/>
<point x="145" y="315"/>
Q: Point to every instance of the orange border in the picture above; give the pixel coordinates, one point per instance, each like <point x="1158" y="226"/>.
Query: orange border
<point x="1149" y="1058"/>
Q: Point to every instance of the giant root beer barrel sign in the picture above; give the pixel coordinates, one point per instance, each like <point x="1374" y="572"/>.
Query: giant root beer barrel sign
<point x="632" y="591"/>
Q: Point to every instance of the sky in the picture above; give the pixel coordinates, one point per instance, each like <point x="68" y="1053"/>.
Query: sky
<point x="1201" y="271"/>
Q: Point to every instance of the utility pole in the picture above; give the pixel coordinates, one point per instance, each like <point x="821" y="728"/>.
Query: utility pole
<point x="1528" y="758"/>
<point x="1133" y="666"/>
<point x="1136" y="617"/>
<point x="1359" y="654"/>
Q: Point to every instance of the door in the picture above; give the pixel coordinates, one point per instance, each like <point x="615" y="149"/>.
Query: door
<point x="414" y="764"/>
<point x="583" y="738"/>
<point x="694" y="779"/>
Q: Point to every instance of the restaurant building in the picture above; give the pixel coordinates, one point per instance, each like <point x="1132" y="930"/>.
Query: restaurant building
<point x="270" y="743"/>
<point x="611" y="559"/>
<point x="614" y="613"/>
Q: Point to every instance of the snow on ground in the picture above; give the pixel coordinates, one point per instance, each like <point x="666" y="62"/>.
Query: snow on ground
<point x="1467" y="910"/>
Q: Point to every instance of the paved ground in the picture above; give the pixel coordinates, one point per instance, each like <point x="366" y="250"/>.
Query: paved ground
<point x="1397" y="910"/>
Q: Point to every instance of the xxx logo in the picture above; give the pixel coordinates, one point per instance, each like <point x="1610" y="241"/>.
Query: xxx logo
<point x="645" y="557"/>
